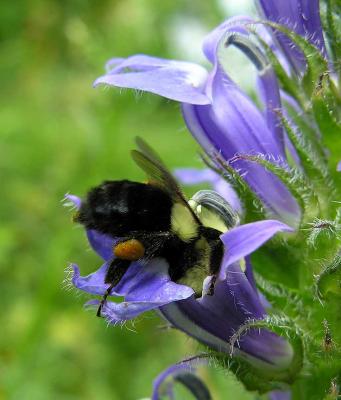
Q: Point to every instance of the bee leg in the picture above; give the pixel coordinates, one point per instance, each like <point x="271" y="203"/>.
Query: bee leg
<point x="217" y="252"/>
<point x="210" y="291"/>
<point x="116" y="270"/>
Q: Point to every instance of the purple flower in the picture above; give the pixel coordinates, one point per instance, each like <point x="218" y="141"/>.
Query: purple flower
<point x="221" y="117"/>
<point x="184" y="372"/>
<point x="212" y="320"/>
<point x="301" y="16"/>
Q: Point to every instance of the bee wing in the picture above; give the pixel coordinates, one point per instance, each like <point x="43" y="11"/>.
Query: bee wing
<point x="158" y="175"/>
<point x="145" y="149"/>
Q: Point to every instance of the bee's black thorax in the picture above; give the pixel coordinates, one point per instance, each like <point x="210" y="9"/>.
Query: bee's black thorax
<point x="119" y="207"/>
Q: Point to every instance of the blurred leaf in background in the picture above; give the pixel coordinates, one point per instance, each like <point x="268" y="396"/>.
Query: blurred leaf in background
<point x="59" y="135"/>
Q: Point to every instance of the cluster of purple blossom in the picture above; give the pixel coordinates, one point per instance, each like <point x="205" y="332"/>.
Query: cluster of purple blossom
<point x="225" y="121"/>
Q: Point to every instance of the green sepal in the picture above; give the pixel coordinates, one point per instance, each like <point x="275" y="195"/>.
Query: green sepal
<point x="252" y="206"/>
<point x="316" y="63"/>
<point x="332" y="28"/>
<point x="303" y="121"/>
<point x="292" y="178"/>
<point x="257" y="375"/>
<point x="288" y="84"/>
<point x="329" y="281"/>
<point x="279" y="295"/>
<point x="319" y="229"/>
<point x="312" y="163"/>
<point x="326" y="112"/>
<point x="321" y="95"/>
<point x="334" y="391"/>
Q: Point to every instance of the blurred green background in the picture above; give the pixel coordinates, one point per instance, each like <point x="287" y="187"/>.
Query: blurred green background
<point x="59" y="135"/>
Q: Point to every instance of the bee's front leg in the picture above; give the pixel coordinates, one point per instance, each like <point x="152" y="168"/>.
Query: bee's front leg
<point x="117" y="268"/>
<point x="210" y="291"/>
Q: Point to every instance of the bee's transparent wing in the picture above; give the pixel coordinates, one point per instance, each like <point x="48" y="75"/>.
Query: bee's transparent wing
<point x="157" y="173"/>
<point x="145" y="149"/>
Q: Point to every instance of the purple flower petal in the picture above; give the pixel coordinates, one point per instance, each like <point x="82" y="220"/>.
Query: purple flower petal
<point x="119" y="312"/>
<point x="149" y="290"/>
<point x="235" y="297"/>
<point x="303" y="17"/>
<point x="240" y="120"/>
<point x="176" y="80"/>
<point x="245" y="239"/>
<point x="154" y="284"/>
<point x="224" y="128"/>
<point x="270" y="94"/>
<point x="144" y="286"/>
<point x="190" y="317"/>
<point x="219" y="121"/>
<point x="213" y="320"/>
<point x="235" y="24"/>
<point x="226" y="33"/>
<point x="112" y="63"/>
<point x="74" y="199"/>
<point x="102" y="244"/>
<point x="279" y="395"/>
<point x="93" y="283"/>
<point x="250" y="277"/>
<point x="338" y="167"/>
<point x="192" y="176"/>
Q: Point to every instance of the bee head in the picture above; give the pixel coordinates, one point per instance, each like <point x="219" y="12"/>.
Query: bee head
<point x="101" y="207"/>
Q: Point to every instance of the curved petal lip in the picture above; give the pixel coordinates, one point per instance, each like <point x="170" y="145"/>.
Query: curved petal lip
<point x="189" y="366"/>
<point x="245" y="239"/>
<point x="176" y="80"/>
<point x="149" y="283"/>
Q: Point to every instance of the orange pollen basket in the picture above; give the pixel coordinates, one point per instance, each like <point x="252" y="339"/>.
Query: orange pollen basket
<point x="131" y="250"/>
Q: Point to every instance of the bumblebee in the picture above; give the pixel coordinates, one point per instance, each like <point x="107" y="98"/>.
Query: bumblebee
<point x="154" y="219"/>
